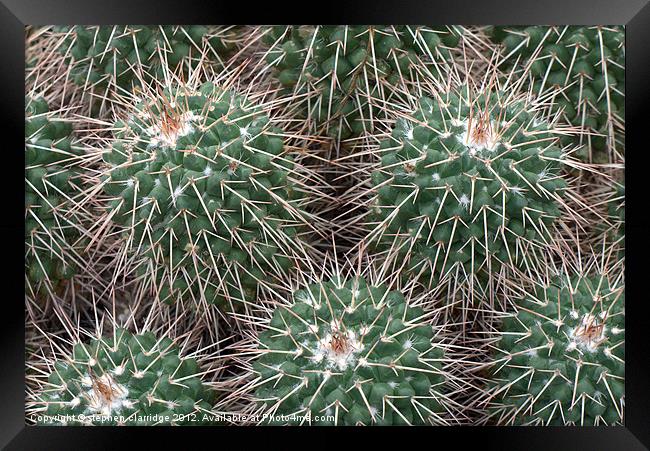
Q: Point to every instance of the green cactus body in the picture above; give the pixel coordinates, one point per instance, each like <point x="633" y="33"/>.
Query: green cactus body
<point x="51" y="181"/>
<point x="349" y="354"/>
<point x="343" y="65"/>
<point x="126" y="379"/>
<point x="458" y="185"/>
<point x="572" y="59"/>
<point x="560" y="360"/>
<point x="100" y="54"/>
<point x="204" y="188"/>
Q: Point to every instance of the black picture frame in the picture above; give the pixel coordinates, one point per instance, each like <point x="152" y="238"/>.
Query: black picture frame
<point x="634" y="14"/>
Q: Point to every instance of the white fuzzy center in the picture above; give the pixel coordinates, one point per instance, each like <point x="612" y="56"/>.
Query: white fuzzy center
<point x="589" y="334"/>
<point x="477" y="139"/>
<point x="105" y="395"/>
<point x="167" y="136"/>
<point x="337" y="350"/>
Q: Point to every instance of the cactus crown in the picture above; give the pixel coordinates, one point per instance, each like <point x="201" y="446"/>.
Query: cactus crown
<point x="560" y="359"/>
<point x="126" y="379"/>
<point x="203" y="184"/>
<point x="51" y="181"/>
<point x="349" y="353"/>
<point x="465" y="180"/>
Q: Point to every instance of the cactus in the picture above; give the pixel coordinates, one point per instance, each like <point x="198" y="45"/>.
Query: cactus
<point x="206" y="193"/>
<point x="560" y="359"/>
<point x="52" y="180"/>
<point x="349" y="354"/>
<point x="588" y="64"/>
<point x="338" y="67"/>
<point x="100" y="55"/>
<point x="466" y="181"/>
<point x="126" y="379"/>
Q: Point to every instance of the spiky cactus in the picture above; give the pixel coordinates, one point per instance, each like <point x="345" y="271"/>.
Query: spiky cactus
<point x="338" y="67"/>
<point x="100" y="55"/>
<point x="206" y="193"/>
<point x="465" y="181"/>
<point x="52" y="180"/>
<point x="349" y="353"/>
<point x="588" y="65"/>
<point x="560" y="359"/>
<point x="126" y="379"/>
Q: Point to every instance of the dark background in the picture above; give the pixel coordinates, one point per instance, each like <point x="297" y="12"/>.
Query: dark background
<point x="15" y="14"/>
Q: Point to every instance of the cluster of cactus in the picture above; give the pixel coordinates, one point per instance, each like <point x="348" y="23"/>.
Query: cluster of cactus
<point x="339" y="67"/>
<point x="466" y="181"/>
<point x="126" y="379"/>
<point x="202" y="184"/>
<point x="52" y="180"/>
<point x="197" y="203"/>
<point x="560" y="359"/>
<point x="101" y="55"/>
<point x="349" y="353"/>
<point x="587" y="65"/>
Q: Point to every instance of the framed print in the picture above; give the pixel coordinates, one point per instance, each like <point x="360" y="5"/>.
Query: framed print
<point x="377" y="215"/>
